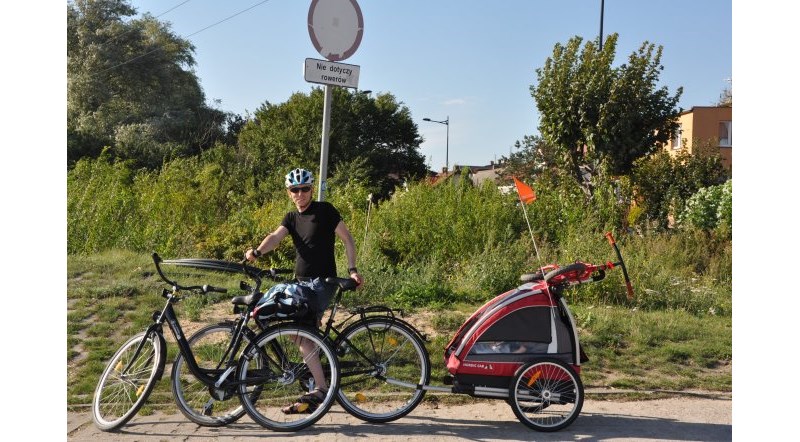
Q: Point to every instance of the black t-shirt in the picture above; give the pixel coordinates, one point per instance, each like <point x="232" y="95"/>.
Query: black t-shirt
<point x="313" y="234"/>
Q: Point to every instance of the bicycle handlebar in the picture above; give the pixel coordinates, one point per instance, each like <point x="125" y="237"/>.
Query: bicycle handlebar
<point x="210" y="288"/>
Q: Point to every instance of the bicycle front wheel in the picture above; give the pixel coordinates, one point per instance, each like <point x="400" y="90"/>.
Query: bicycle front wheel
<point x="273" y="372"/>
<point x="127" y="381"/>
<point x="201" y="403"/>
<point x="372" y="355"/>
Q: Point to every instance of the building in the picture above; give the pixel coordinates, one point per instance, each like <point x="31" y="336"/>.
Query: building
<point x="705" y="125"/>
<point x="476" y="174"/>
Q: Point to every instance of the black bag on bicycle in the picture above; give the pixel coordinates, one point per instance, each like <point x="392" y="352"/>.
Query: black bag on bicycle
<point x="284" y="301"/>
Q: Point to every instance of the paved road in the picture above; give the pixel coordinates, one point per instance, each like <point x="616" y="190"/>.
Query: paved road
<point x="674" y="419"/>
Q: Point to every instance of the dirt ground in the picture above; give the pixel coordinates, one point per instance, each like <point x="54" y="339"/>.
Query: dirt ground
<point x="679" y="418"/>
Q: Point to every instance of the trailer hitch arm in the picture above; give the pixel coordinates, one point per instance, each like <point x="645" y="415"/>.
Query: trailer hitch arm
<point x="628" y="285"/>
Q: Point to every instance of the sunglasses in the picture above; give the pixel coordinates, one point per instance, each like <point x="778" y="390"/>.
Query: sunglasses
<point x="303" y="189"/>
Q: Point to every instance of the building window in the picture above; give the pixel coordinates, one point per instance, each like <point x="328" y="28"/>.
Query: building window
<point x="676" y="139"/>
<point x="725" y="134"/>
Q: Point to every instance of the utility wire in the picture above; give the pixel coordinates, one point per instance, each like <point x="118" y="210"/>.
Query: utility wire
<point x="186" y="37"/>
<point x="227" y="18"/>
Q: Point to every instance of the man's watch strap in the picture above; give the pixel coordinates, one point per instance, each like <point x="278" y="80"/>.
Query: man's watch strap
<point x="256" y="253"/>
<point x="352" y="270"/>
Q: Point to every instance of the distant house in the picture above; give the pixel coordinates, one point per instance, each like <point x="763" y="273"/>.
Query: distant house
<point x="477" y="174"/>
<point x="705" y="124"/>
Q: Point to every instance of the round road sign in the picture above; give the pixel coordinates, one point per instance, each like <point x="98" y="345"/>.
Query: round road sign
<point x="335" y="27"/>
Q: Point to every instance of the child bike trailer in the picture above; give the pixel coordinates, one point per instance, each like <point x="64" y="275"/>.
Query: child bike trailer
<point x="522" y="346"/>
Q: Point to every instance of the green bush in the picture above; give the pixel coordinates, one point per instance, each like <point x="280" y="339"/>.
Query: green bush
<point x="663" y="183"/>
<point x="449" y="221"/>
<point x="428" y="245"/>
<point x="708" y="209"/>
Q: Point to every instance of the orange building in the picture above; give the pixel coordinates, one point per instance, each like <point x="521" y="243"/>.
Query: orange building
<point x="705" y="125"/>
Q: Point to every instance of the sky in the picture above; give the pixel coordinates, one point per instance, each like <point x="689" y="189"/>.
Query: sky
<point x="472" y="61"/>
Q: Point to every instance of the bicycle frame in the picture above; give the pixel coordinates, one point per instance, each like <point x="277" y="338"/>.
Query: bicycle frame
<point x="218" y="377"/>
<point x="332" y="333"/>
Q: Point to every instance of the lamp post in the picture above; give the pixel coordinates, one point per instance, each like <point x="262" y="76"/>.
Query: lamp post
<point x="602" y="7"/>
<point x="447" y="145"/>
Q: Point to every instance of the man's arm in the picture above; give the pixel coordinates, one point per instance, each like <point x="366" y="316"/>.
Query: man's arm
<point x="269" y="243"/>
<point x="350" y="250"/>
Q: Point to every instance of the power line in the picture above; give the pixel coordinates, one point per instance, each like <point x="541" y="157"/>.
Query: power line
<point x="227" y="18"/>
<point x="190" y="35"/>
<point x="174" y="7"/>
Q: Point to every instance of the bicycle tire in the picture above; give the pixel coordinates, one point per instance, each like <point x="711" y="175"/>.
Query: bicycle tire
<point x="546" y="395"/>
<point x="397" y="353"/>
<point x="192" y="396"/>
<point x="281" y="372"/>
<point x="119" y="396"/>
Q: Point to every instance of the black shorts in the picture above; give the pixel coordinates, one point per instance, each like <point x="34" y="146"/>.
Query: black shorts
<point x="323" y="292"/>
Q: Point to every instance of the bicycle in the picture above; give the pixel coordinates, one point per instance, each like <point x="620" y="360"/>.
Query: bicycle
<point x="379" y="356"/>
<point x="265" y="373"/>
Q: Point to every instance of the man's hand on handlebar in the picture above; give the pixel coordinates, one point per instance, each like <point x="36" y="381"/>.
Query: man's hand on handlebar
<point x="251" y="254"/>
<point x="355" y="276"/>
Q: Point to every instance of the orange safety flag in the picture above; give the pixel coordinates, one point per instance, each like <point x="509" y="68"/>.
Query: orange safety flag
<point x="526" y="194"/>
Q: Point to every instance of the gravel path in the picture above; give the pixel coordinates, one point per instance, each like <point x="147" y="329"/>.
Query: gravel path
<point x="680" y="418"/>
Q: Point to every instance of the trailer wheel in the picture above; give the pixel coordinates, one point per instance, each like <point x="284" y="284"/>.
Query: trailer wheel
<point x="546" y="395"/>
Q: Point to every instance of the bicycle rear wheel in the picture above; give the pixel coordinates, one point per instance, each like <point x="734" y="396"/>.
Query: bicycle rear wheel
<point x="127" y="381"/>
<point x="193" y="397"/>
<point x="372" y="351"/>
<point x="273" y="373"/>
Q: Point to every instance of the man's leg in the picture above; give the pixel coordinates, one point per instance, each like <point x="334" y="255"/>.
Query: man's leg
<point x="310" y="353"/>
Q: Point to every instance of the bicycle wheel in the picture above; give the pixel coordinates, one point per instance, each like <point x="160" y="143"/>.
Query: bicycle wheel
<point x="546" y="395"/>
<point x="194" y="398"/>
<point x="275" y="368"/>
<point x="372" y="351"/>
<point x="127" y="382"/>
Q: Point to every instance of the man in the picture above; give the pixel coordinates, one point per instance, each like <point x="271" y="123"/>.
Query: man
<point x="313" y="227"/>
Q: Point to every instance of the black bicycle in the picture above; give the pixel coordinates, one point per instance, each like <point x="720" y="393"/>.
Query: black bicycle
<point x="379" y="354"/>
<point x="263" y="371"/>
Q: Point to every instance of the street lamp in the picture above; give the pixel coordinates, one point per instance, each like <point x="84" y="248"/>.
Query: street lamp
<point x="602" y="7"/>
<point x="447" y="146"/>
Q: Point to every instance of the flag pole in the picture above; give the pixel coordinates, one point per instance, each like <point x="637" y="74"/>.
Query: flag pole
<point x="530" y="230"/>
<point x="528" y="197"/>
<point x="366" y="226"/>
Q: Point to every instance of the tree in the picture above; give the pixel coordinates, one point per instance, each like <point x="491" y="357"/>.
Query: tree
<point x="377" y="134"/>
<point x="130" y="86"/>
<point x="532" y="157"/>
<point x="600" y="116"/>
<point x="726" y="97"/>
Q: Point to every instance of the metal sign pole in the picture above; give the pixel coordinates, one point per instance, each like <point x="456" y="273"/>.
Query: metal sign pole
<point x="336" y="29"/>
<point x="323" y="157"/>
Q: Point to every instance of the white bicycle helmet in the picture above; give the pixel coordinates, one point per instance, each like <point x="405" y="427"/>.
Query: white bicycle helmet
<point x="298" y="177"/>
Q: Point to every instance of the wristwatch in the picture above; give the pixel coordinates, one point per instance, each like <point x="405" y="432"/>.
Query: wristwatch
<point x="352" y="270"/>
<point x="256" y="253"/>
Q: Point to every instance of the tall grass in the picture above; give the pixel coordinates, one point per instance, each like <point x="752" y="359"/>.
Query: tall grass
<point x="428" y="245"/>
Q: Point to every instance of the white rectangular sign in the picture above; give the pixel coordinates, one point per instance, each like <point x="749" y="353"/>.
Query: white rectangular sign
<point x="328" y="72"/>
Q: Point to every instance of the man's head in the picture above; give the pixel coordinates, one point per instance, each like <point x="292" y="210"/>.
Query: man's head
<point x="299" y="186"/>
